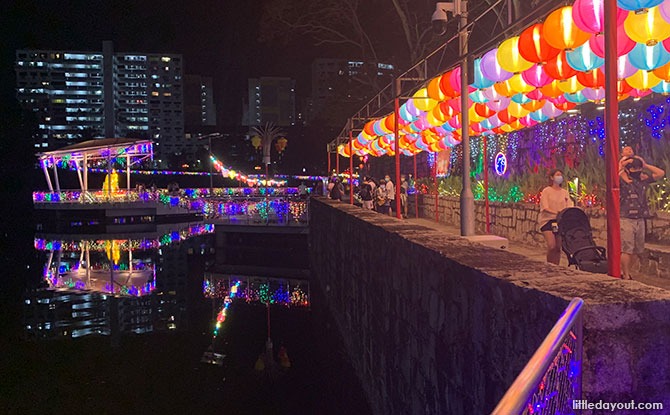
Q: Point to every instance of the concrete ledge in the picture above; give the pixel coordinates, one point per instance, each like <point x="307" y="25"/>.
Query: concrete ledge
<point x="437" y="324"/>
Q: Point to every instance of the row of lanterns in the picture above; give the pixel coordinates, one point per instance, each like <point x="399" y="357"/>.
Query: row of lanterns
<point x="548" y="69"/>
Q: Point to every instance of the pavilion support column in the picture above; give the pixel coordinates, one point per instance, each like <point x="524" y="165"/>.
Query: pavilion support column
<point x="85" y="167"/>
<point x="46" y="175"/>
<point x="56" y="177"/>
<point x="612" y="149"/>
<point x="81" y="180"/>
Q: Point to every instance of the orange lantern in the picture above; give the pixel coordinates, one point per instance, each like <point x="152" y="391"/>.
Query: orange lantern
<point x="565" y="106"/>
<point x="663" y="72"/>
<point x="558" y="67"/>
<point x="389" y="122"/>
<point x="504" y="88"/>
<point x="592" y="79"/>
<point x="509" y="58"/>
<point x="434" y="90"/>
<point x="534" y="105"/>
<point x="647" y="27"/>
<point x="369" y="128"/>
<point x="446" y="109"/>
<point x="560" y="31"/>
<point x="551" y="90"/>
<point x="533" y="47"/>
<point x="280" y="145"/>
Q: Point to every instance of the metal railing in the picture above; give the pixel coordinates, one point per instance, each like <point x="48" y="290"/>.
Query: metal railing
<point x="552" y="379"/>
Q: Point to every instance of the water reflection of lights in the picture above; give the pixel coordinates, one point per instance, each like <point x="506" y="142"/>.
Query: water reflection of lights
<point x="288" y="293"/>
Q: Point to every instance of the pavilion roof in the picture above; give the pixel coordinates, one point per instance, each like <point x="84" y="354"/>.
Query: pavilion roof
<point x="101" y="148"/>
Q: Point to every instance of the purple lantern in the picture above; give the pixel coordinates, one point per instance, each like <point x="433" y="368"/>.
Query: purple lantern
<point x="490" y="68"/>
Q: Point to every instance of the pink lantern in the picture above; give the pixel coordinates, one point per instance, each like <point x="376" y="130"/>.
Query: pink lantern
<point x="536" y="95"/>
<point x="589" y="15"/>
<point x="527" y="121"/>
<point x="640" y="93"/>
<point x="455" y="104"/>
<point x="491" y="69"/>
<point x="495" y="121"/>
<point x="550" y="110"/>
<point x="536" y="76"/>
<point x="492" y="94"/>
<point x="624" y="44"/>
<point x="455" y="122"/>
<point x="594" y="94"/>
<point x="664" y="9"/>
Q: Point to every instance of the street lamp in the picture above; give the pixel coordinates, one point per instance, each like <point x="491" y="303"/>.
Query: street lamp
<point x="211" y="162"/>
<point x="439" y="21"/>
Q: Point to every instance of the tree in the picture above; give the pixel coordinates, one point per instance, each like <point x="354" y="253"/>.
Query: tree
<point x="268" y="134"/>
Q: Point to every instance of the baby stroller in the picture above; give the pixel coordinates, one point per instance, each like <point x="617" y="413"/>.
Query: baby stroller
<point x="577" y="242"/>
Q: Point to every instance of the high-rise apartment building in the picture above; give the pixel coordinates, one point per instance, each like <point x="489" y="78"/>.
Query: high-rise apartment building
<point x="270" y="100"/>
<point x="199" y="107"/>
<point x="78" y="96"/>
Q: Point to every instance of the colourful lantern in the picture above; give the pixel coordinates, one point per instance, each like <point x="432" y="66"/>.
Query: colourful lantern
<point x="535" y="95"/>
<point x="550" y="110"/>
<point x="483" y="110"/>
<point x="558" y="68"/>
<point x="648" y="58"/>
<point x="473" y="116"/>
<point x="422" y="101"/>
<point x="624" y="67"/>
<point x="389" y="122"/>
<point x="594" y="94"/>
<point x="481" y="81"/>
<point x="516" y="110"/>
<point x="436" y="117"/>
<point x="534" y="105"/>
<point x="643" y="80"/>
<point x="589" y="15"/>
<point x="491" y="94"/>
<point x="536" y="76"/>
<point x="434" y="90"/>
<point x="504" y="88"/>
<point x="509" y="58"/>
<point x="570" y="85"/>
<point x="446" y="109"/>
<point x="505" y="116"/>
<point x="623" y="88"/>
<point x="647" y="27"/>
<point x="560" y="31"/>
<point x="663" y="72"/>
<point x="663" y="87"/>
<point x="591" y="79"/>
<point x="491" y="69"/>
<point x="539" y="116"/>
<point x="256" y="142"/>
<point x="624" y="44"/>
<point x="447" y="88"/>
<point x="379" y="128"/>
<point x="635" y="5"/>
<point x="664" y="8"/>
<point x="521" y="99"/>
<point x="518" y="85"/>
<point x="498" y="105"/>
<point x="455" y="104"/>
<point x="640" y="93"/>
<point x="533" y="47"/>
<point x="577" y="98"/>
<point x="565" y="106"/>
<point x="478" y="96"/>
<point x="583" y="59"/>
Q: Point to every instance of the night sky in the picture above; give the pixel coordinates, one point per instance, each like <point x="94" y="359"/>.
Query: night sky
<point x="218" y="38"/>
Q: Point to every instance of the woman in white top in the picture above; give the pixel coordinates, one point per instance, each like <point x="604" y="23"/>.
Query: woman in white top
<point x="553" y="200"/>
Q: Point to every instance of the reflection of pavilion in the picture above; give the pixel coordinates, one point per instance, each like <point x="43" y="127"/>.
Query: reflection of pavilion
<point x="109" y="284"/>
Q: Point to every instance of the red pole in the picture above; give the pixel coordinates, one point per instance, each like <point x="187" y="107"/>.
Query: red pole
<point x="437" y="191"/>
<point x="486" y="186"/>
<point x="351" y="164"/>
<point x="416" y="193"/>
<point x="612" y="136"/>
<point x="396" y="113"/>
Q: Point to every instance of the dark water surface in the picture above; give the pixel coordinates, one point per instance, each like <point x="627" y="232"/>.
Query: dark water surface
<point x="159" y="371"/>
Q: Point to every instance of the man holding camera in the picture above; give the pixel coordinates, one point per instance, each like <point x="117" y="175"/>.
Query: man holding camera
<point x="634" y="208"/>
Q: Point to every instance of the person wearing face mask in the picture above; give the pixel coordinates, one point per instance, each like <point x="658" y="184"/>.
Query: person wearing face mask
<point x="634" y="209"/>
<point x="553" y="200"/>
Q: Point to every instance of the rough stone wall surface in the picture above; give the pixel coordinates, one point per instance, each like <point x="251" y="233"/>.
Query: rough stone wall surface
<point x="436" y="324"/>
<point x="518" y="222"/>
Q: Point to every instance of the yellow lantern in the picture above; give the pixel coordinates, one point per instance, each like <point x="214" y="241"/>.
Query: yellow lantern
<point x="560" y="31"/>
<point x="647" y="27"/>
<point x="643" y="80"/>
<point x="519" y="85"/>
<point x="570" y="85"/>
<point x="256" y="142"/>
<point x="422" y="101"/>
<point x="509" y="58"/>
<point x="516" y="110"/>
<point x="474" y="117"/>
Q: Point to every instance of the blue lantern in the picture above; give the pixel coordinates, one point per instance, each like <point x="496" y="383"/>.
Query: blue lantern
<point x="481" y="82"/>
<point x="521" y="99"/>
<point x="633" y="5"/>
<point x="648" y="58"/>
<point x="577" y="97"/>
<point x="662" y="88"/>
<point x="583" y="59"/>
<point x="478" y="97"/>
<point x="539" y="116"/>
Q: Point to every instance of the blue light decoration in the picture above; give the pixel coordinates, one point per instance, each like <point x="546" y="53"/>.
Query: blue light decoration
<point x="500" y="164"/>
<point x="657" y="118"/>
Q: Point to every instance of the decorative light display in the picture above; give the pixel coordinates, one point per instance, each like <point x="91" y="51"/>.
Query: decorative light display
<point x="500" y="164"/>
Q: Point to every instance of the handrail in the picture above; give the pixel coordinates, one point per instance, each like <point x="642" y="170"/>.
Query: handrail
<point x="518" y="396"/>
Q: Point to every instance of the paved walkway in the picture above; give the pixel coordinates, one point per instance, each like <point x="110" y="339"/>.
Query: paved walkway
<point x="534" y="253"/>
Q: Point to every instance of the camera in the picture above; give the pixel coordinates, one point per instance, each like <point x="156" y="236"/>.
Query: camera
<point x="439" y="20"/>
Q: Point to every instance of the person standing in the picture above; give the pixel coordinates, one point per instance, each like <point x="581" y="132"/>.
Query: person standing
<point x="553" y="200"/>
<point x="404" y="189"/>
<point x="390" y="193"/>
<point x="634" y="209"/>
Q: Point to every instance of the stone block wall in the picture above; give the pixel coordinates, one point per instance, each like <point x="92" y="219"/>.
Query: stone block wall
<point x="436" y="324"/>
<point x="518" y="222"/>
